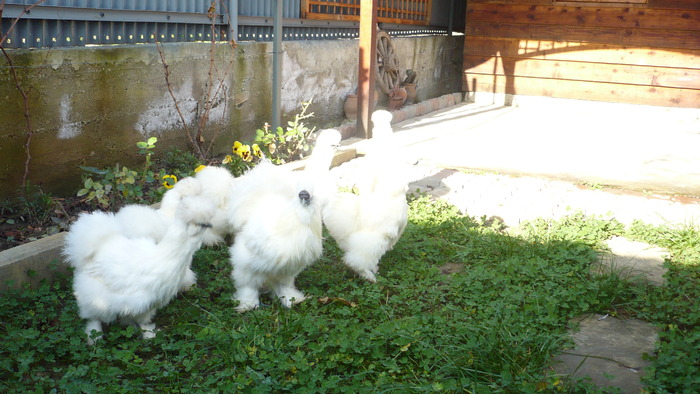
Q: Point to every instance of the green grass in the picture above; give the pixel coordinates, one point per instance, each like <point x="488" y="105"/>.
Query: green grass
<point x="490" y="325"/>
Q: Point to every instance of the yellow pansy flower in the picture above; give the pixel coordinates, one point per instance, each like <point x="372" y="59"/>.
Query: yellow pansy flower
<point x="244" y="153"/>
<point x="237" y="147"/>
<point x="256" y="151"/>
<point x="200" y="168"/>
<point x="227" y="159"/>
<point x="169" y="181"/>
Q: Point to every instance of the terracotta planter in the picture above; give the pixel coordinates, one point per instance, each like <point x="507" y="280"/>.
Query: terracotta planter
<point x="410" y="93"/>
<point x="350" y="106"/>
<point x="397" y="97"/>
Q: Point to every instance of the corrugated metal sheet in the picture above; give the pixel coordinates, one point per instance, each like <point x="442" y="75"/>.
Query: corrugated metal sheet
<point x="65" y="23"/>
<point x="292" y="8"/>
<point x="190" y="6"/>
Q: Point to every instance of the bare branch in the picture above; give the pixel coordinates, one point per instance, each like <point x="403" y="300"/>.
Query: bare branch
<point x="169" y="85"/>
<point x="29" y="130"/>
<point x="204" y="118"/>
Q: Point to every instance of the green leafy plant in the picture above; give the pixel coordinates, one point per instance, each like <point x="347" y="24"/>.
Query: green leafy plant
<point x="96" y="190"/>
<point x="591" y="229"/>
<point x="146" y="148"/>
<point x="129" y="185"/>
<point x="288" y="144"/>
<point x="35" y="205"/>
<point x="179" y="163"/>
<point x="118" y="185"/>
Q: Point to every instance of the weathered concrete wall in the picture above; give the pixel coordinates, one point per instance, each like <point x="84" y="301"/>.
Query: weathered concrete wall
<point x="89" y="106"/>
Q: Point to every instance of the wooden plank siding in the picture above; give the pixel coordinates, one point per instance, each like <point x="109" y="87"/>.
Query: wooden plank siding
<point x="631" y="52"/>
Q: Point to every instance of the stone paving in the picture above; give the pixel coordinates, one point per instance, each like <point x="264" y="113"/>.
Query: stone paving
<point x="609" y="351"/>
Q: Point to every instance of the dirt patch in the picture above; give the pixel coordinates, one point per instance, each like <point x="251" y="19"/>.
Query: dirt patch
<point x="25" y="223"/>
<point x="451" y="268"/>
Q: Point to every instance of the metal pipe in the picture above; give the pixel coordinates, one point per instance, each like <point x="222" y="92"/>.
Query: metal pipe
<point x="277" y="65"/>
<point x="233" y="20"/>
<point x="451" y="16"/>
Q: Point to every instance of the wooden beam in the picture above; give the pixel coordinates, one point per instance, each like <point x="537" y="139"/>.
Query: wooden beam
<point x="367" y="70"/>
<point x="581" y="90"/>
<point x="622" y="18"/>
<point x="671" y="39"/>
<point x="590" y="71"/>
<point x="580" y="52"/>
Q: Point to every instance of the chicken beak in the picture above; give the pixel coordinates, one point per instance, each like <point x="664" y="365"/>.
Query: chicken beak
<point x="304" y="198"/>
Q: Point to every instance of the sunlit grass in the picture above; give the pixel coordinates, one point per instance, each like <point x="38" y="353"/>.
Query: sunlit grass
<point x="490" y="323"/>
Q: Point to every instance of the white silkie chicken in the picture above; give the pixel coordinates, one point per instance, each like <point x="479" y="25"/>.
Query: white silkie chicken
<point x="368" y="224"/>
<point x="143" y="221"/>
<point x="317" y="165"/>
<point x="277" y="220"/>
<point x="218" y="184"/>
<point x="129" y="278"/>
<point x="139" y="220"/>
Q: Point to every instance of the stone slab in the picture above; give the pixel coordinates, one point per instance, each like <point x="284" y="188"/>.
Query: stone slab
<point x="609" y="351"/>
<point x="637" y="260"/>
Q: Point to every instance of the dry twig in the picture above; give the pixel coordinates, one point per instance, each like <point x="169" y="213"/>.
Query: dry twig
<point x="22" y="91"/>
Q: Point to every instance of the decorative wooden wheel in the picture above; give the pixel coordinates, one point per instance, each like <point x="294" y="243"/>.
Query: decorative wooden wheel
<point x="387" y="64"/>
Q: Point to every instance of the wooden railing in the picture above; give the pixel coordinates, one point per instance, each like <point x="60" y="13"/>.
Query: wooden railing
<point x="411" y="12"/>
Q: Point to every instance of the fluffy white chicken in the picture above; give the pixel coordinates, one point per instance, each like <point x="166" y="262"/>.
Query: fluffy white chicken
<point x="127" y="277"/>
<point x="138" y="220"/>
<point x="143" y="221"/>
<point x="367" y="225"/>
<point x="218" y="184"/>
<point x="277" y="220"/>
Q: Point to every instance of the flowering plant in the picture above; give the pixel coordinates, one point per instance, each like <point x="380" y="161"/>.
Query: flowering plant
<point x="285" y="145"/>
<point x="132" y="186"/>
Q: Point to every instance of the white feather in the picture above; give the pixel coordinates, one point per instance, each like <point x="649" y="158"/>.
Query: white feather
<point x="218" y="184"/>
<point x="122" y="276"/>
<point x="278" y="234"/>
<point x="367" y="225"/>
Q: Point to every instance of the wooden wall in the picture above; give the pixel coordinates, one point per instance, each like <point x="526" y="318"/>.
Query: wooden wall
<point x="642" y="51"/>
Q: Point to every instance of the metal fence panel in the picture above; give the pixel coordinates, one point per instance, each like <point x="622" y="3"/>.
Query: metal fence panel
<point x="66" y="23"/>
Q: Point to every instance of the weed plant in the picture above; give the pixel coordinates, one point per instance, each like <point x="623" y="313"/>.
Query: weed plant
<point x="674" y="307"/>
<point x="459" y="306"/>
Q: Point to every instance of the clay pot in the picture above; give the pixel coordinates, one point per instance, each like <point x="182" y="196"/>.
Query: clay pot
<point x="397" y="97"/>
<point x="410" y="93"/>
<point x="350" y="106"/>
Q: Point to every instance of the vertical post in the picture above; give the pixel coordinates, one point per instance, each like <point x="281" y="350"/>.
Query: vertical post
<point x="367" y="70"/>
<point x="233" y="20"/>
<point x="452" y="17"/>
<point x="277" y="65"/>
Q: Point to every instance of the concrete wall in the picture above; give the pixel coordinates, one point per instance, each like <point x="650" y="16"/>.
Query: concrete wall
<point x="89" y="106"/>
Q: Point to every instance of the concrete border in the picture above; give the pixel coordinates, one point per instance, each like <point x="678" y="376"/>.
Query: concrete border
<point x="29" y="263"/>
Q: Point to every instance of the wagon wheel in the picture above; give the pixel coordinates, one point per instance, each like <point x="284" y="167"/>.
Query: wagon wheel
<point x="387" y="64"/>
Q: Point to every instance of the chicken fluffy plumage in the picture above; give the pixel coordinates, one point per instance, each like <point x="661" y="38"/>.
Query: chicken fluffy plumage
<point x="276" y="216"/>
<point x="143" y="221"/>
<point x="367" y="225"/>
<point x="278" y="234"/>
<point x="126" y="277"/>
<point x="220" y="185"/>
